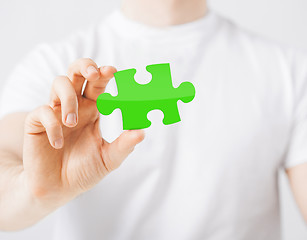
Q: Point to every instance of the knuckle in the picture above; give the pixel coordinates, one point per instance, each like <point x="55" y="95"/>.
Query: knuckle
<point x="37" y="111"/>
<point x="71" y="99"/>
<point x="43" y="109"/>
<point x="43" y="115"/>
<point x="58" y="80"/>
<point x="87" y="61"/>
<point x="63" y="89"/>
<point x="78" y="62"/>
<point x="72" y="66"/>
<point x="30" y="120"/>
<point x="53" y="125"/>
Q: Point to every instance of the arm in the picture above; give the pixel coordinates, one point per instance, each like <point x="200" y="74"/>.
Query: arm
<point x="19" y="209"/>
<point x="298" y="181"/>
<point x="44" y="162"/>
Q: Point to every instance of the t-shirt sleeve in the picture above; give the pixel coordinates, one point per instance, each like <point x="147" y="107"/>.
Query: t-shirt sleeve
<point x="29" y="84"/>
<point x="297" y="148"/>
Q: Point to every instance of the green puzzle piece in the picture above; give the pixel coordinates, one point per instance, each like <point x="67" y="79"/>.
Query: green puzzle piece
<point x="136" y="100"/>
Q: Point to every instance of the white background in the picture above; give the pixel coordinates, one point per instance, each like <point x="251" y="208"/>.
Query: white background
<point x="23" y="24"/>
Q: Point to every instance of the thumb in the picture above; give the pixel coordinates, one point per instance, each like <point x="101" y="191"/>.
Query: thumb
<point x="117" y="151"/>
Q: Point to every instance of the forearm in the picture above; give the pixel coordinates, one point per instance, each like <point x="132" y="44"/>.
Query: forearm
<point x="298" y="182"/>
<point x="18" y="208"/>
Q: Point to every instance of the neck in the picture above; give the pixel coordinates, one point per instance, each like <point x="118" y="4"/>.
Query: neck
<point x="161" y="13"/>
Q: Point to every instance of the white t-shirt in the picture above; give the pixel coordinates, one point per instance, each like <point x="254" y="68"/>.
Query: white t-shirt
<point x="211" y="176"/>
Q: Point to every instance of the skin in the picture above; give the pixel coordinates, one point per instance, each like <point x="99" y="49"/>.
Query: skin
<point x="161" y="13"/>
<point x="298" y="178"/>
<point x="56" y="152"/>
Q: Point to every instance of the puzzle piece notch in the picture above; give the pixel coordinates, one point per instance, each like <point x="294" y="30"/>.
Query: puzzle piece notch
<point x="159" y="94"/>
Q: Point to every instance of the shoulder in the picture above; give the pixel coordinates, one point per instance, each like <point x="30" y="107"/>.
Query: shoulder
<point x="252" y="42"/>
<point x="267" y="54"/>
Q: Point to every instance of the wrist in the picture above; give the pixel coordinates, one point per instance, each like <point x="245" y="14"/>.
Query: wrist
<point x="44" y="197"/>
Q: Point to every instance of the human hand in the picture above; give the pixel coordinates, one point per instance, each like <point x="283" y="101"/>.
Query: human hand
<point x="63" y="152"/>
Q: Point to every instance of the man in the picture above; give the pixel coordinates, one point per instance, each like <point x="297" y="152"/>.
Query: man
<point x="211" y="176"/>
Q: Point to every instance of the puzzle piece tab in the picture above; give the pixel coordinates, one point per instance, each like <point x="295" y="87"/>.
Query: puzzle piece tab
<point x="136" y="100"/>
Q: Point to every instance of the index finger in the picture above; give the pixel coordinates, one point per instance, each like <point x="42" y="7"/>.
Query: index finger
<point x="81" y="69"/>
<point x="95" y="88"/>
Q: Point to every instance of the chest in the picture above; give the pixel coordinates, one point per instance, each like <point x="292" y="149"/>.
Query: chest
<point x="240" y="113"/>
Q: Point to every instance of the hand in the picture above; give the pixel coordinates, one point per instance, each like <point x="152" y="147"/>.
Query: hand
<point x="64" y="153"/>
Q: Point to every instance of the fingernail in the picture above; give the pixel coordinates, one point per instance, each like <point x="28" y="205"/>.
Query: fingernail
<point x="58" y="143"/>
<point x="91" y="70"/>
<point x="71" y="118"/>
